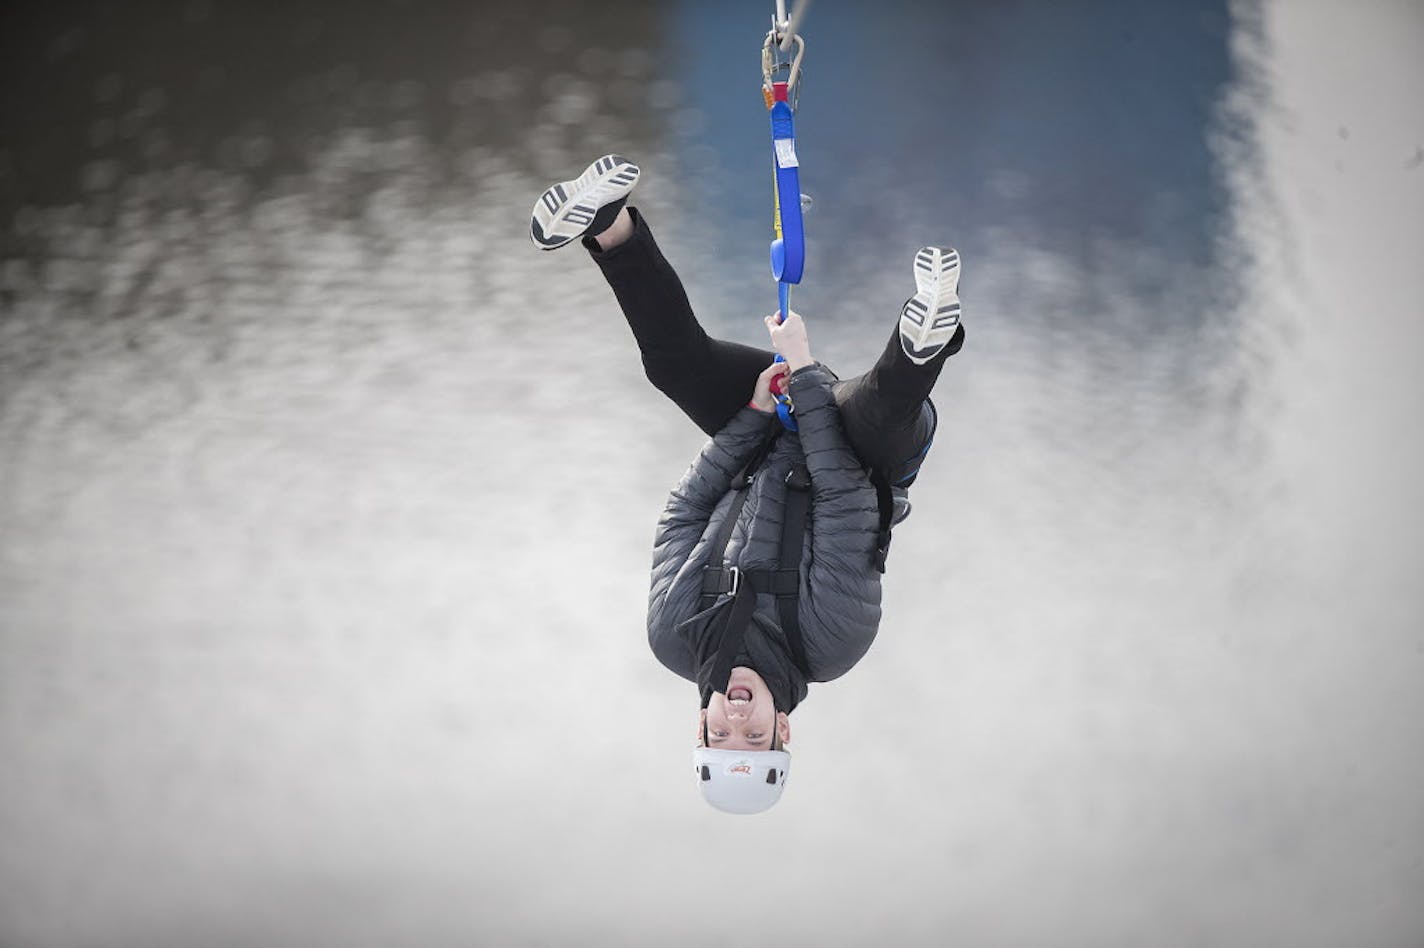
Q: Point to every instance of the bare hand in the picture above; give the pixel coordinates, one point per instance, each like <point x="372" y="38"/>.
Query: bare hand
<point x="789" y="339"/>
<point x="761" y="394"/>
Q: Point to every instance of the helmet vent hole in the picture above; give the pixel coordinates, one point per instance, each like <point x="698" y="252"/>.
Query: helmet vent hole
<point x="706" y="774"/>
<point x="771" y="776"/>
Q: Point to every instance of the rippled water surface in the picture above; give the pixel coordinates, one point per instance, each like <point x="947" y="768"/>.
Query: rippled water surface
<point x="326" y="501"/>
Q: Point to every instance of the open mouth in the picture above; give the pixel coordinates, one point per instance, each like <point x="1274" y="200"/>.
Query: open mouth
<point x="739" y="693"/>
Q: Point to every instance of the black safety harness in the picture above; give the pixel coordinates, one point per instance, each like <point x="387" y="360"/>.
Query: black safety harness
<point x="784" y="582"/>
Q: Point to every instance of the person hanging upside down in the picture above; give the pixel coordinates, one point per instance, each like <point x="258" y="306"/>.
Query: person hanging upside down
<point x="768" y="555"/>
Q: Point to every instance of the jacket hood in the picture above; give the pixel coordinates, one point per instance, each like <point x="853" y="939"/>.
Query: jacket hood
<point x="764" y="651"/>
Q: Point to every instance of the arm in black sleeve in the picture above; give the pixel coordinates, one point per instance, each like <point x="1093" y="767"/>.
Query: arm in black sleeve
<point x="685" y="520"/>
<point x="841" y="595"/>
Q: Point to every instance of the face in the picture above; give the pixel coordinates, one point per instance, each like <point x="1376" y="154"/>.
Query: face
<point x="745" y="717"/>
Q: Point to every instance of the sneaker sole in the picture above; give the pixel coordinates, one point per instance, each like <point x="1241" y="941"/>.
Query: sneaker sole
<point x="929" y="318"/>
<point x="564" y="211"/>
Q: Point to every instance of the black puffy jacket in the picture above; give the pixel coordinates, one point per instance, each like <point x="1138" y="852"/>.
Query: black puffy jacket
<point x="839" y="585"/>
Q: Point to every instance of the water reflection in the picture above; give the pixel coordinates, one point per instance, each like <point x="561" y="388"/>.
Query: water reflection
<point x="325" y="501"/>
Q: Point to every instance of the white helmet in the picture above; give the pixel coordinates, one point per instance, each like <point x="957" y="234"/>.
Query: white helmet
<point x="741" y="781"/>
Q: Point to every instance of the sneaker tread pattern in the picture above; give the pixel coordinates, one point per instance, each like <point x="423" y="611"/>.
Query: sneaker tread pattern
<point x="565" y="210"/>
<point x="930" y="318"/>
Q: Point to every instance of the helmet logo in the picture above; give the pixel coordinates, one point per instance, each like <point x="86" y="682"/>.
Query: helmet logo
<point x="740" y="768"/>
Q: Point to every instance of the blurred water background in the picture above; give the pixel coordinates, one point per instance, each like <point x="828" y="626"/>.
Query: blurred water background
<point x="325" y="500"/>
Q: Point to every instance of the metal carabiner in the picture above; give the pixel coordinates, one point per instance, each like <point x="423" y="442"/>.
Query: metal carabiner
<point x="772" y="63"/>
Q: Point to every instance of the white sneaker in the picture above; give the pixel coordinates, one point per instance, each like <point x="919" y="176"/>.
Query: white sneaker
<point x="587" y="204"/>
<point x="930" y="317"/>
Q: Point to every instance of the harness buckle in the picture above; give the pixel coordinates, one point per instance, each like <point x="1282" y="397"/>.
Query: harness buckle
<point x="736" y="575"/>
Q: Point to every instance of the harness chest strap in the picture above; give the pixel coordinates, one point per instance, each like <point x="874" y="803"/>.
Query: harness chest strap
<point x="793" y="538"/>
<point x="783" y="582"/>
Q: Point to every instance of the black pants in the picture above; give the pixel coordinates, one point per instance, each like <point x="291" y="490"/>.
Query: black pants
<point x="886" y="411"/>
